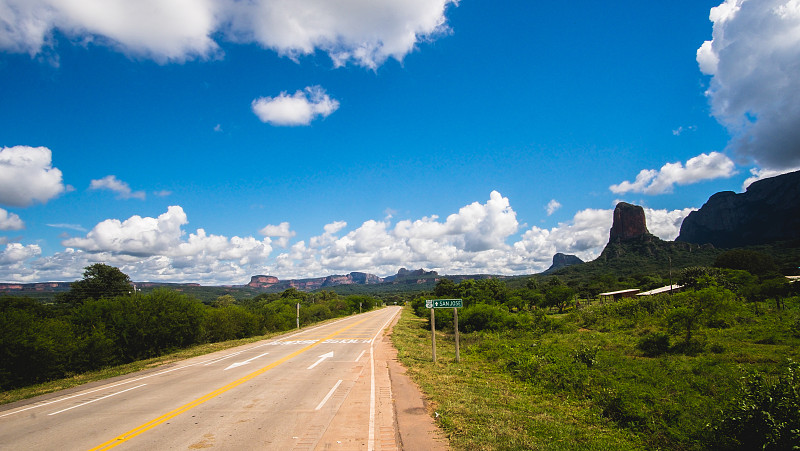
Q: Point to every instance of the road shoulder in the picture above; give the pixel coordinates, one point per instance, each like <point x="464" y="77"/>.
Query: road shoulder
<point x="415" y="425"/>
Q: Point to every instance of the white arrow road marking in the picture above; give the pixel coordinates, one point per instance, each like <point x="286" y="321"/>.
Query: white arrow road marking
<point x="321" y="358"/>
<point x="234" y="365"/>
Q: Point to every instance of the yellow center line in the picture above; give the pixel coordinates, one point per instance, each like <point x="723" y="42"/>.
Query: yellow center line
<point x="173" y="413"/>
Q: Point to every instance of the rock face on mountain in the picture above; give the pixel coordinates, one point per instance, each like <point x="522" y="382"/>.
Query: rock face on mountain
<point x="405" y="274"/>
<point x="360" y="278"/>
<point x="562" y="261"/>
<point x="263" y="281"/>
<point x="768" y="211"/>
<point x="629" y="223"/>
<point x="629" y="237"/>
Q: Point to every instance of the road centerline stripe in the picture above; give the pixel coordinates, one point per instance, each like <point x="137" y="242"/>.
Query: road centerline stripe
<point x="175" y="412"/>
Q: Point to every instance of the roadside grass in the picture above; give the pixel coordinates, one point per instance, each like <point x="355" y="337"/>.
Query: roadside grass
<point x="481" y="407"/>
<point x="585" y="383"/>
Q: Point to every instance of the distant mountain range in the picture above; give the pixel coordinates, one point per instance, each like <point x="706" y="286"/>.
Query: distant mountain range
<point x="768" y="212"/>
<point x="354" y="278"/>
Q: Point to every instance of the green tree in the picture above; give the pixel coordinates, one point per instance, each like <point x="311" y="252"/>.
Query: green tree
<point x="694" y="308"/>
<point x="99" y="281"/>
<point x="754" y="262"/>
<point x="445" y="288"/>
<point x="558" y="295"/>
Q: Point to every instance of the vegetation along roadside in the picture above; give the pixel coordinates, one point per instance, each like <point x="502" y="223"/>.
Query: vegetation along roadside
<point x="102" y="328"/>
<point x="713" y="367"/>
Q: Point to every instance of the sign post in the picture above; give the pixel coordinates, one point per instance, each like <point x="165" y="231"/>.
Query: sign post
<point x="455" y="304"/>
<point x="433" y="334"/>
<point x="455" y="326"/>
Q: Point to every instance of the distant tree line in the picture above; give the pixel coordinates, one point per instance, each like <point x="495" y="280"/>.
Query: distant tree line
<point x="102" y="321"/>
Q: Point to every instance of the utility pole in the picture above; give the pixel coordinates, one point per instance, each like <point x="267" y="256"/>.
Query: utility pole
<point x="670" y="275"/>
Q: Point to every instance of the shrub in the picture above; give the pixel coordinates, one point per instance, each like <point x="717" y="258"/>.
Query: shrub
<point x="483" y="317"/>
<point x="765" y="416"/>
<point x="654" y="344"/>
<point x="586" y="355"/>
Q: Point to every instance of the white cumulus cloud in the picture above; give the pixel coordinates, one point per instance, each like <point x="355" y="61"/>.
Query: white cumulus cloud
<point x="759" y="174"/>
<point x="298" y="109"/>
<point x="136" y="235"/>
<point x="112" y="183"/>
<point x="552" y="207"/>
<point x="752" y="59"/>
<point x="697" y="169"/>
<point x="15" y="253"/>
<point x="281" y="231"/>
<point x="10" y="221"/>
<point x="365" y="32"/>
<point x="157" y="248"/>
<point x="27" y="175"/>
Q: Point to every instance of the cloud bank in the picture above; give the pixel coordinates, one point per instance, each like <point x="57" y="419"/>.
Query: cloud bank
<point x="752" y="59"/>
<point x="697" y="169"/>
<point x="365" y="32"/>
<point x="478" y="238"/>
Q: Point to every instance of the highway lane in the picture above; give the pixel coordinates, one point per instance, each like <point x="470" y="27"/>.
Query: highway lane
<point x="281" y="393"/>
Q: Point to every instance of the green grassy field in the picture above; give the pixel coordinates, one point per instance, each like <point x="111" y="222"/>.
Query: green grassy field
<point x="581" y="380"/>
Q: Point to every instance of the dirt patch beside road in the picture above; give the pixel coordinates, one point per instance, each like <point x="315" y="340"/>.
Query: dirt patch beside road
<point x="417" y="429"/>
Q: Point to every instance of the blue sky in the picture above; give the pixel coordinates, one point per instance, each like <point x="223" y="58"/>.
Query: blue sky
<point x="210" y="141"/>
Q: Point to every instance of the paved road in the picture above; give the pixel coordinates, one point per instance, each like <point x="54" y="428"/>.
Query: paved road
<point x="314" y="389"/>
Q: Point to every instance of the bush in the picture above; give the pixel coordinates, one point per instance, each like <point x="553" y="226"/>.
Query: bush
<point x="483" y="317"/>
<point x="654" y="344"/>
<point x="765" y="416"/>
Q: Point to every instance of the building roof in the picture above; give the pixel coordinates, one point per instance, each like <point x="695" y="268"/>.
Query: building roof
<point x="612" y="293"/>
<point x="660" y="290"/>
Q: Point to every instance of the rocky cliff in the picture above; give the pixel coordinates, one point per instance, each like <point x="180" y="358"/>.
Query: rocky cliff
<point x="354" y="278"/>
<point x="629" y="223"/>
<point x="767" y="212"/>
<point x="562" y="261"/>
<point x="263" y="282"/>
<point x="360" y="278"/>
<point x="630" y="239"/>
<point x="404" y="274"/>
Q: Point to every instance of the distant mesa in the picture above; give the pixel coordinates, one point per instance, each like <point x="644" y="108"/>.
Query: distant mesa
<point x="263" y="282"/>
<point x="404" y="274"/>
<point x="562" y="261"/>
<point x="767" y="212"/>
<point x="353" y="278"/>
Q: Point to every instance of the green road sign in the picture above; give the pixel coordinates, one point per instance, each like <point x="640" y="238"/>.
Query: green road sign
<point x="444" y="303"/>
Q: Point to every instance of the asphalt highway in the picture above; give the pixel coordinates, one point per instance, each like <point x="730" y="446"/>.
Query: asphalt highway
<point x="312" y="389"/>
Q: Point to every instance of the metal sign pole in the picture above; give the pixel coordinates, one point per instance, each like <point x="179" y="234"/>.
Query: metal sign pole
<point x="455" y="324"/>
<point x="433" y="333"/>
